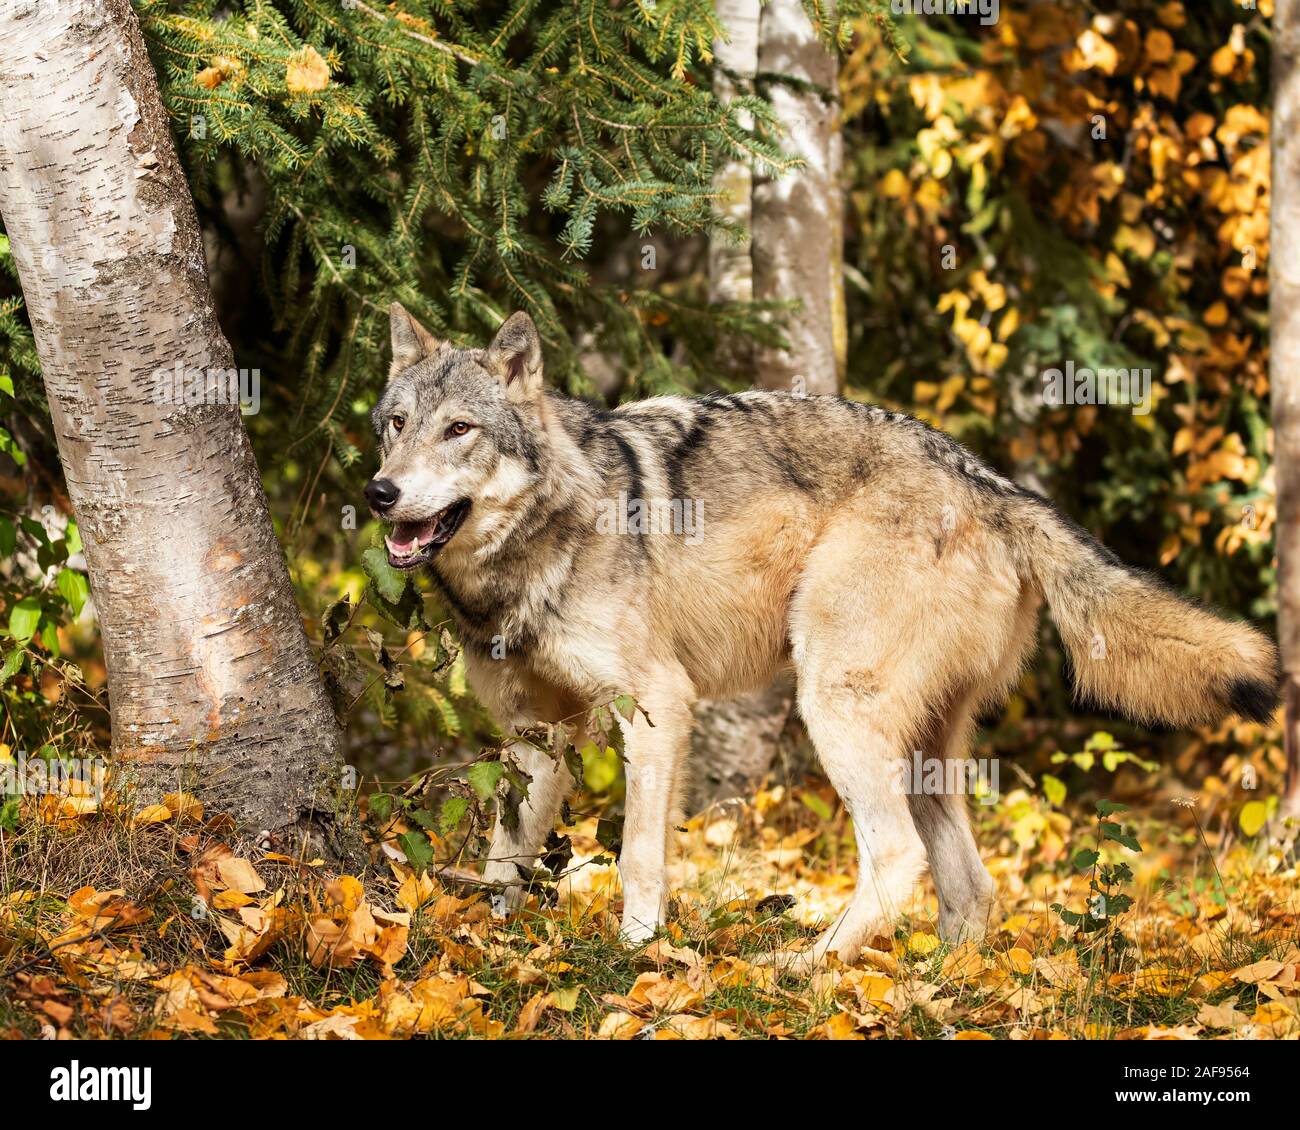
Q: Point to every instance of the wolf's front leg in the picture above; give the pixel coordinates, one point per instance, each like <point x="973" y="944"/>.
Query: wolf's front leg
<point x="551" y="782"/>
<point x="654" y="751"/>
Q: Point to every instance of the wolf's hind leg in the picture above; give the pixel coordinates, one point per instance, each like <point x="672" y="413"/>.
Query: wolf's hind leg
<point x="861" y="757"/>
<point x="892" y="617"/>
<point x="551" y="783"/>
<point x="965" y="888"/>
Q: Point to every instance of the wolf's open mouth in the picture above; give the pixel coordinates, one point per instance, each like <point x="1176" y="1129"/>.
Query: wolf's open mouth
<point x="412" y="544"/>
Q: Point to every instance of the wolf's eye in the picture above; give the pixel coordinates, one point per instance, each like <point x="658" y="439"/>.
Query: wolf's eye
<point x="398" y="422"/>
<point x="459" y="428"/>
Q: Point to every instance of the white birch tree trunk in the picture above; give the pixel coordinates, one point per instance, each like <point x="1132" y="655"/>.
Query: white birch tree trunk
<point x="798" y="230"/>
<point x="212" y="682"/>
<point x="1284" y="366"/>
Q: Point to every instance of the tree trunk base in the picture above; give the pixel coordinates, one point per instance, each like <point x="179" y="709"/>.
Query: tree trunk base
<point x="739" y="742"/>
<point x="302" y="810"/>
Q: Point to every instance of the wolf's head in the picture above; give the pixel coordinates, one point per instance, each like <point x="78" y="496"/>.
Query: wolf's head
<point x="460" y="435"/>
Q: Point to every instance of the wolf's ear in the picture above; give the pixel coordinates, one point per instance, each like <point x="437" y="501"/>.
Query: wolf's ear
<point x="411" y="341"/>
<point x="515" y="358"/>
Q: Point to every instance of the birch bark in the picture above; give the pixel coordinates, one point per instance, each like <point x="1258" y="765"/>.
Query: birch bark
<point x="1284" y="366"/>
<point x="212" y="682"/>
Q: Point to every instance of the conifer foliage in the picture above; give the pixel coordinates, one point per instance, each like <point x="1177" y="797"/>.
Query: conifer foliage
<point x="462" y="158"/>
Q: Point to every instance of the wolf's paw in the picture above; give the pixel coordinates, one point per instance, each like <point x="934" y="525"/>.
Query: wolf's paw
<point x="972" y="918"/>
<point x="507" y="901"/>
<point x="509" y="895"/>
<point x="959" y="928"/>
<point x="634" y="932"/>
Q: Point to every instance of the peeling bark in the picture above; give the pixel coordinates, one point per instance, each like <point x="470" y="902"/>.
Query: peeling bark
<point x="212" y="682"/>
<point x="1284" y="366"/>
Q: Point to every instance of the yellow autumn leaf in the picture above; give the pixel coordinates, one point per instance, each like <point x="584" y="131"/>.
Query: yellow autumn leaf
<point x="1223" y="60"/>
<point x="1140" y="240"/>
<point x="1263" y="970"/>
<point x="1159" y="46"/>
<point x="221" y="68"/>
<point x="153" y="814"/>
<point x="1172" y="15"/>
<point x="664" y="993"/>
<point x="1252" y="817"/>
<point x="894" y="184"/>
<point x="949" y="392"/>
<point x="184" y="806"/>
<point x="841" y="1026"/>
<point x="1280" y="1019"/>
<point x="1156" y="980"/>
<point x="875" y="989"/>
<point x="619" y="1026"/>
<point x="64" y="810"/>
<point x="921" y="945"/>
<point x="964" y="963"/>
<point x="231" y="900"/>
<point x="1096" y="53"/>
<point x="1020" y="960"/>
<point x="416" y="891"/>
<point x="240" y="875"/>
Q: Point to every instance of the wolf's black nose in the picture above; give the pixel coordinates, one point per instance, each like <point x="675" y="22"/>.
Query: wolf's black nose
<point x="381" y="493"/>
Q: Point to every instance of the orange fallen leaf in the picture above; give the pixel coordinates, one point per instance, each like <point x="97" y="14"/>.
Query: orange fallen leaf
<point x="152" y="814"/>
<point x="619" y="1026"/>
<point x="239" y="875"/>
<point x="665" y="993"/>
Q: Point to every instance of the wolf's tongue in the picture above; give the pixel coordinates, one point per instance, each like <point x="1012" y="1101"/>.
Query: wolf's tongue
<point x="408" y="537"/>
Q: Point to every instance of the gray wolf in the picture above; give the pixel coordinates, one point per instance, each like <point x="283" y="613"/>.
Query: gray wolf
<point x="897" y="574"/>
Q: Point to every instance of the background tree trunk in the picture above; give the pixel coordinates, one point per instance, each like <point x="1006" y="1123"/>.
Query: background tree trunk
<point x="795" y="252"/>
<point x="212" y="682"/>
<point x="1284" y="366"/>
<point x="798" y="229"/>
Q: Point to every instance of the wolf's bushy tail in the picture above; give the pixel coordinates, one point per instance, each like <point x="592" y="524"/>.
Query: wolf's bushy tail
<point x="1136" y="647"/>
